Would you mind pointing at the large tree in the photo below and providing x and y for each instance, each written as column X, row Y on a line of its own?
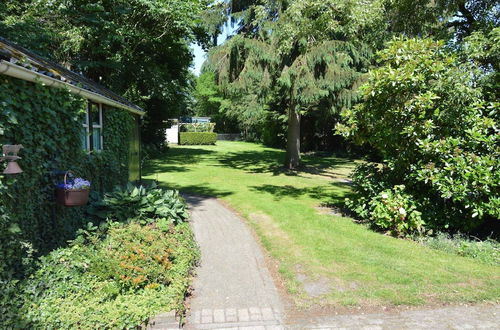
column 300, row 56
column 139, row 48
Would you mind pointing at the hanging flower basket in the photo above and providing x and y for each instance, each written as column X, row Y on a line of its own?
column 72, row 192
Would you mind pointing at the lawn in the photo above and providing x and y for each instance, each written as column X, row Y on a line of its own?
column 324, row 258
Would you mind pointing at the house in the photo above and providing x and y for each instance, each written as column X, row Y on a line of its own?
column 20, row 63
column 65, row 122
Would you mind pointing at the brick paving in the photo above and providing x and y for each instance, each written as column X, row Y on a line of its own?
column 233, row 288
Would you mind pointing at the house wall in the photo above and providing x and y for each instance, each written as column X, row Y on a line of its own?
column 172, row 134
column 48, row 123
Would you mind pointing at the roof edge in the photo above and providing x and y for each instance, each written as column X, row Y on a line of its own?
column 16, row 71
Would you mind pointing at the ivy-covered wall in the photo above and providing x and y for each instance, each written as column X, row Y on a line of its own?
column 48, row 123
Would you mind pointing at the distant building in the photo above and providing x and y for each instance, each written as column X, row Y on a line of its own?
column 172, row 133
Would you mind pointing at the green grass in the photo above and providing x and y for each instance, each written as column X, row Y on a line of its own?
column 354, row 265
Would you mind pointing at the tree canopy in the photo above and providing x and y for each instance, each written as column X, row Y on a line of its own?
column 139, row 48
column 295, row 58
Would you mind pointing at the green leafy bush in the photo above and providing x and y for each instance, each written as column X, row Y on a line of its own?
column 424, row 112
column 117, row 279
column 396, row 211
column 142, row 204
column 197, row 138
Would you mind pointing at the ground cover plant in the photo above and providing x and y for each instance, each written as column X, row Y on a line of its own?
column 354, row 265
column 117, row 274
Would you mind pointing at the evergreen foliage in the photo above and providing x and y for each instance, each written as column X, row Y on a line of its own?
column 296, row 58
column 137, row 48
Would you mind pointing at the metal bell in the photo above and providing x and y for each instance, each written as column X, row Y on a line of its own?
column 12, row 168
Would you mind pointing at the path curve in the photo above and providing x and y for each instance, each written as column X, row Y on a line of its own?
column 233, row 287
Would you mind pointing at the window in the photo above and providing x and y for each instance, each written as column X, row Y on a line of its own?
column 92, row 128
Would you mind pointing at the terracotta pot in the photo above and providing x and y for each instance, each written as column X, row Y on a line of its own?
column 72, row 197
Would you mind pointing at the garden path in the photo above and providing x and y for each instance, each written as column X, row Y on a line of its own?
column 234, row 289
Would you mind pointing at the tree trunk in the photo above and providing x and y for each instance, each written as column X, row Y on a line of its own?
column 293, row 140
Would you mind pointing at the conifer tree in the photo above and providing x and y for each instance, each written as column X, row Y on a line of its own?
column 303, row 56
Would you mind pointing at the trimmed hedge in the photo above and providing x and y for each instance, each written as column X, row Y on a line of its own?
column 197, row 138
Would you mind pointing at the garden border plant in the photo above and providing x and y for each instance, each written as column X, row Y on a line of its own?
column 117, row 274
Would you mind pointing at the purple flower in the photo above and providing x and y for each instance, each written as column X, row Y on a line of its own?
column 75, row 184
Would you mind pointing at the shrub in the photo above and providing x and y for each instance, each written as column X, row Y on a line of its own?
column 367, row 182
column 142, row 204
column 118, row 281
column 396, row 211
column 424, row 113
column 197, row 127
column 197, row 138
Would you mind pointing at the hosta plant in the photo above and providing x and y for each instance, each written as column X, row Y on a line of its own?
column 142, row 204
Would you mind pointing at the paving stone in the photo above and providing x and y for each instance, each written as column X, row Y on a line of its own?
column 207, row 319
column 231, row 315
column 206, row 312
column 255, row 314
column 243, row 315
column 197, row 317
column 219, row 316
column 267, row 314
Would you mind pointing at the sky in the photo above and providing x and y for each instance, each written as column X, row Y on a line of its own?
column 200, row 54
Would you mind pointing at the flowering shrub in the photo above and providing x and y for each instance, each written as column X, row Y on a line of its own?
column 425, row 113
column 396, row 211
column 75, row 184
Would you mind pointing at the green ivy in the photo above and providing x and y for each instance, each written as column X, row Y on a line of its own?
column 48, row 123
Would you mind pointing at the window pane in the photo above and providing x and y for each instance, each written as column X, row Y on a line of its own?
column 85, row 145
column 96, row 138
column 94, row 114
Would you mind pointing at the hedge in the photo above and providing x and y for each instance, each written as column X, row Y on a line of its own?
column 197, row 138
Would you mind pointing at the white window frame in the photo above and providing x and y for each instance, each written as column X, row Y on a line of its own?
column 87, row 124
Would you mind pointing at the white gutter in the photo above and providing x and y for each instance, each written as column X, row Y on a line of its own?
column 19, row 72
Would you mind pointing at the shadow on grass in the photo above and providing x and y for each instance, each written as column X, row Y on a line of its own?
column 176, row 160
column 266, row 161
column 321, row 193
column 271, row 161
column 198, row 191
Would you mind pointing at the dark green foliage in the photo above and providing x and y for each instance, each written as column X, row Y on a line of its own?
column 423, row 110
column 197, row 138
column 48, row 122
column 450, row 19
column 141, row 204
column 137, row 48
